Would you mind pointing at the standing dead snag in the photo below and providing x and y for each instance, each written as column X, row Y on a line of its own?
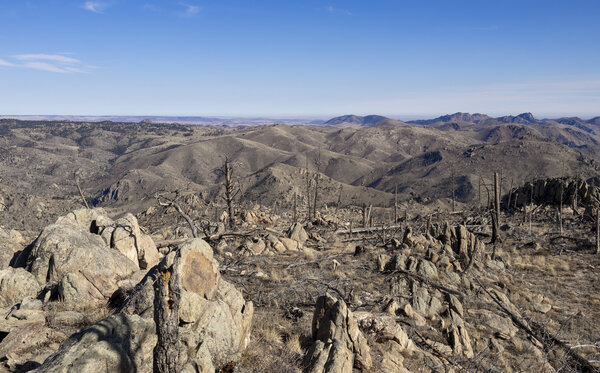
column 168, row 202
column 166, row 316
column 295, row 211
column 396, row 204
column 81, row 192
column 308, row 185
column 231, row 190
column 453, row 194
column 495, row 213
column 598, row 230
column 318, row 166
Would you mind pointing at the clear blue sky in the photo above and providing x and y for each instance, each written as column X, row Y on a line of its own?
column 299, row 58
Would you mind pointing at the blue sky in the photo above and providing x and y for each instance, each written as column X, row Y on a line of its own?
column 299, row 58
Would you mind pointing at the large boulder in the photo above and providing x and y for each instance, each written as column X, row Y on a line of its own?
column 129, row 240
column 11, row 242
column 339, row 344
column 212, row 312
column 124, row 234
column 85, row 269
column 16, row 284
column 119, row 343
column 297, row 232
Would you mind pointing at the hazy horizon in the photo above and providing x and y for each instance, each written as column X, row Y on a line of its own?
column 311, row 58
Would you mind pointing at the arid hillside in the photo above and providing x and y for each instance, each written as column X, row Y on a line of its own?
column 122, row 165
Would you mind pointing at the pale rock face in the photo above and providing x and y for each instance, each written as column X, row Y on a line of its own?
column 11, row 242
column 84, row 267
column 119, row 343
column 129, row 240
column 339, row 344
column 212, row 312
column 289, row 244
column 297, row 233
column 22, row 340
column 16, row 284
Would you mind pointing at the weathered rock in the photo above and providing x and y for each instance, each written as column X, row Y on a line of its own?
column 85, row 269
column 297, row 233
column 16, row 284
column 498, row 324
column 84, row 219
column 11, row 242
column 459, row 336
column 427, row 269
column 211, row 310
column 463, row 243
column 119, row 343
column 291, row 245
column 28, row 337
column 339, row 344
column 256, row 246
column 128, row 239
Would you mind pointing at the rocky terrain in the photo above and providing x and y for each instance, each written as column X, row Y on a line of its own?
column 358, row 245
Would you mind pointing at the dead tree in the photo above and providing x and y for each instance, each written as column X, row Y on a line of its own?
column 166, row 316
column 510, row 192
column 81, row 192
column 495, row 213
column 339, row 201
column 497, row 197
column 165, row 201
column 453, row 194
column 295, row 211
column 479, row 189
column 308, row 186
column 396, row 204
column 316, row 194
column 364, row 215
column 231, row 189
column 598, row 230
column 560, row 208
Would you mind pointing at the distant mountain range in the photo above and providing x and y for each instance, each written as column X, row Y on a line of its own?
column 457, row 118
column 448, row 121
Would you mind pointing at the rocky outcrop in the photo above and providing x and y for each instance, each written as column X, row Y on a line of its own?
column 296, row 232
column 127, row 238
column 85, row 256
column 11, row 242
column 551, row 191
column 338, row 343
column 123, row 235
column 16, row 284
column 119, row 343
column 212, row 312
column 83, row 267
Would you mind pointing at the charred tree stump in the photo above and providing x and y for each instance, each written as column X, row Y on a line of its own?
column 166, row 316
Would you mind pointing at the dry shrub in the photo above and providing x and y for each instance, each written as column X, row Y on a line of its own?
column 274, row 345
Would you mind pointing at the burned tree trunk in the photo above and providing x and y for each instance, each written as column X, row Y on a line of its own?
column 453, row 194
column 364, row 215
column 166, row 316
column 598, row 230
column 81, row 192
column 295, row 216
column 396, row 204
column 497, row 197
column 308, row 184
column 230, row 191
column 495, row 228
column 316, row 196
column 496, row 212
